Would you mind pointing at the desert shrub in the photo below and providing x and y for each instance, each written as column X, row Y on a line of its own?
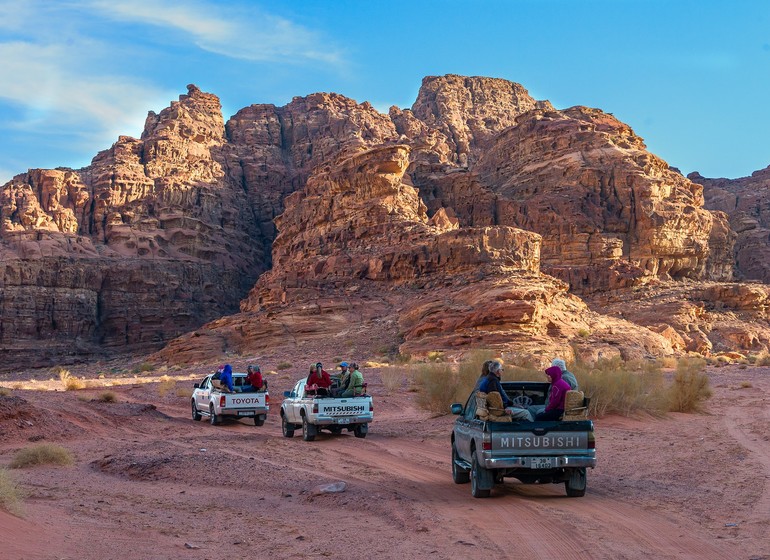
column 440, row 385
column 283, row 365
column 107, row 396
column 584, row 333
column 144, row 367
column 615, row 386
column 183, row 392
column 165, row 385
column 436, row 387
column 668, row 362
column 392, row 379
column 10, row 494
column 746, row 385
column 522, row 368
column 402, row 358
column 43, row 454
column 690, row 386
column 763, row 358
column 435, row 356
column 70, row 383
column 4, row 391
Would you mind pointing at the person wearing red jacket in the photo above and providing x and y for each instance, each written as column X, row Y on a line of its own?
column 555, row 407
column 319, row 377
column 254, row 377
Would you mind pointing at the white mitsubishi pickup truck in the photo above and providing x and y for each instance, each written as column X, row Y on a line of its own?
column 208, row 401
column 315, row 412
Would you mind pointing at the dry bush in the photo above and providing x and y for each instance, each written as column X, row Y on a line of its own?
column 10, row 494
column 763, row 358
column 70, row 383
column 165, row 385
column 4, row 391
column 283, row 365
column 668, row 362
column 43, row 454
column 392, row 379
column 144, row 367
column 107, row 396
column 690, row 387
column 746, row 385
column 618, row 387
column 435, row 356
column 183, row 392
column 436, row 387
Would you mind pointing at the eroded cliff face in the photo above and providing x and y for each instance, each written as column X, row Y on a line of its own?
column 358, row 236
column 747, row 203
column 148, row 242
column 472, row 219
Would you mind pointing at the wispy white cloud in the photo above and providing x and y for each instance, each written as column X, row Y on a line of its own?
column 238, row 32
column 52, row 94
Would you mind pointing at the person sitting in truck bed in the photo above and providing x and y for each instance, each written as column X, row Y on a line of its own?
column 225, row 381
column 558, row 393
column 355, row 387
column 491, row 382
column 253, row 378
column 319, row 378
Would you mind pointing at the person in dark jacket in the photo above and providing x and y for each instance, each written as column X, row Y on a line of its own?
column 225, row 381
column 491, row 382
column 554, row 409
column 254, row 377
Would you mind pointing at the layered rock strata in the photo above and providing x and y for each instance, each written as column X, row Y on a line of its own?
column 747, row 203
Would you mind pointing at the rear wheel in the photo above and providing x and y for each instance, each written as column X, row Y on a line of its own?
column 286, row 428
column 459, row 474
column 481, row 479
column 195, row 414
column 259, row 420
column 361, row 430
column 575, row 485
column 308, row 430
column 213, row 418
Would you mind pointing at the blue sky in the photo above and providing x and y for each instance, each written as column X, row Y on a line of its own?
column 691, row 77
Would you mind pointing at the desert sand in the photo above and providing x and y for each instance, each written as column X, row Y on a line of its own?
column 150, row 483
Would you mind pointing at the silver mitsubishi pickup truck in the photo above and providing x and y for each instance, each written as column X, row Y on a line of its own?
column 484, row 452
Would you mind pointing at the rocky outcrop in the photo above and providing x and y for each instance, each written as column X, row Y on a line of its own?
column 471, row 219
column 747, row 203
column 610, row 213
column 149, row 241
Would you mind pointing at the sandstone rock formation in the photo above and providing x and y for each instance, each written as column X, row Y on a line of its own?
column 473, row 218
column 747, row 203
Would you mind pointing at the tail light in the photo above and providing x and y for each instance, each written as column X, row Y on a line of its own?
column 222, row 401
column 591, row 441
column 267, row 399
column 371, row 406
column 315, row 408
column 486, row 446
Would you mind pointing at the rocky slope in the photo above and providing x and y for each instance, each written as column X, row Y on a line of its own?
column 747, row 202
column 473, row 218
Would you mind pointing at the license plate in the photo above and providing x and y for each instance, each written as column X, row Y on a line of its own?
column 343, row 420
column 540, row 463
column 244, row 413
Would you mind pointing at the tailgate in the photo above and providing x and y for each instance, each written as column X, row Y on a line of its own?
column 343, row 407
column 530, row 443
column 244, row 401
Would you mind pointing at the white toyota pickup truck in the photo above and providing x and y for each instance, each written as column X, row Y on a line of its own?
column 315, row 412
column 208, row 401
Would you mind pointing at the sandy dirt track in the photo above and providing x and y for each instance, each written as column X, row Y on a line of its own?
column 149, row 483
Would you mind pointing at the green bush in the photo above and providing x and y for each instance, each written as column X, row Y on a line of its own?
column 43, row 454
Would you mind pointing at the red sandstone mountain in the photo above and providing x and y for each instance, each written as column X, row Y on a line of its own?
column 427, row 227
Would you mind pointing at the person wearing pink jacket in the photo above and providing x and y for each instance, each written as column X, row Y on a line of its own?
column 554, row 410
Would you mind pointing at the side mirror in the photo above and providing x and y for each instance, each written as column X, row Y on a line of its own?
column 286, row 394
column 457, row 408
column 197, row 386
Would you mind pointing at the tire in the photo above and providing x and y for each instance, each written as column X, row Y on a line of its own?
column 308, row 430
column 360, row 430
column 286, row 428
column 575, row 485
column 479, row 477
column 459, row 474
column 259, row 420
column 195, row 414
column 213, row 418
